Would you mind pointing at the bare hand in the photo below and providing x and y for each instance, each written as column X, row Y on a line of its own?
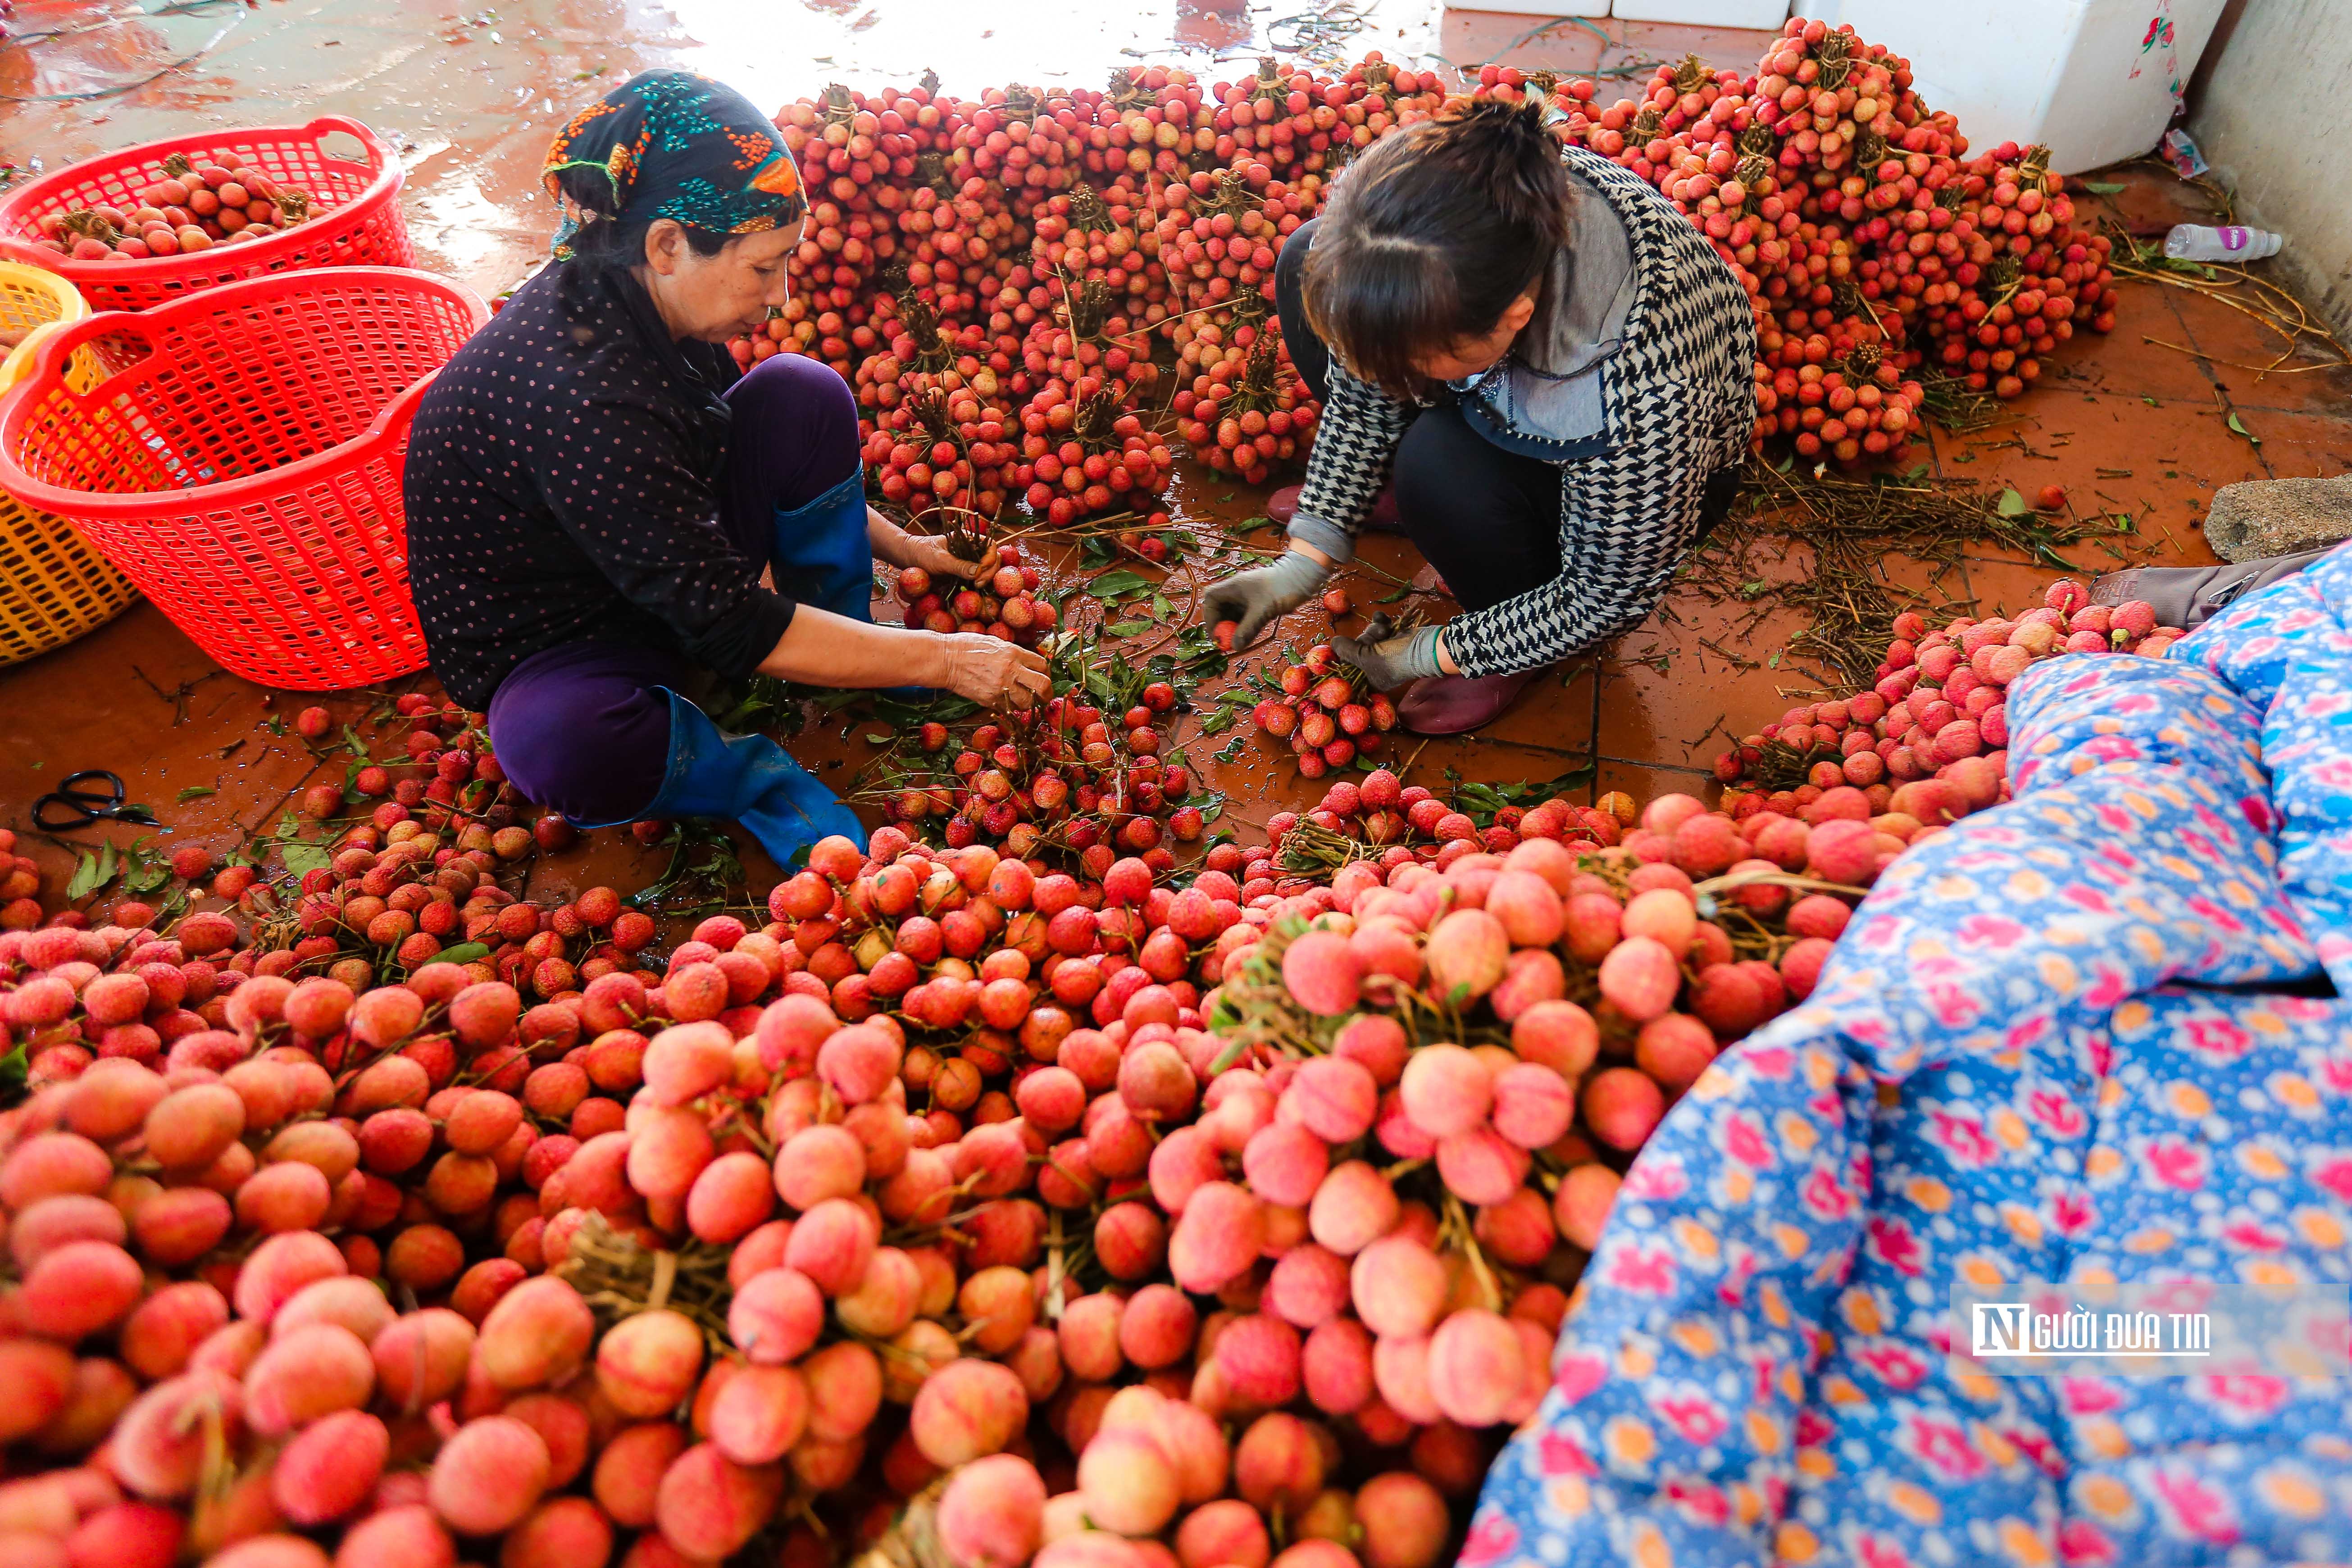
column 994, row 672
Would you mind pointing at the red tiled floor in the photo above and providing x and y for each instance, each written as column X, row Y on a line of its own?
column 2133, row 361
column 2258, row 367
column 1577, row 46
column 2301, row 444
column 1556, row 714
column 1696, row 678
column 1569, row 46
column 1645, row 782
column 2115, row 455
column 2149, row 202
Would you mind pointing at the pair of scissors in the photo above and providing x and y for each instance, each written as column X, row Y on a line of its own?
column 69, row 806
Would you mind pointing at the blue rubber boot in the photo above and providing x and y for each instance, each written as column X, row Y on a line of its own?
column 822, row 557
column 748, row 779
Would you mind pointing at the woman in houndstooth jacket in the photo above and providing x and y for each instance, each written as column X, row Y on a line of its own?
column 1551, row 366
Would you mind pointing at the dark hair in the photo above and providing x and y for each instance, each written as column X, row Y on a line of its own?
column 1431, row 234
column 608, row 243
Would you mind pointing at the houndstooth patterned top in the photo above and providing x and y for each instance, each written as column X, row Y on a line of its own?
column 1680, row 403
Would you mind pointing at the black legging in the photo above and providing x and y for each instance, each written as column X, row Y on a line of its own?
column 1487, row 520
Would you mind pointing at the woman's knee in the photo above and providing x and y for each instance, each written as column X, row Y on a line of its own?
column 583, row 736
column 1435, row 461
column 802, row 403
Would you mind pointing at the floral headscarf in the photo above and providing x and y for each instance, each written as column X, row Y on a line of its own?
column 677, row 145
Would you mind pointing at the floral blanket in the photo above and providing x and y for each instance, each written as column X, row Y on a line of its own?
column 2085, row 1035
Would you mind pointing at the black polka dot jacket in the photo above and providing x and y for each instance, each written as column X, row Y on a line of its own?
column 565, row 482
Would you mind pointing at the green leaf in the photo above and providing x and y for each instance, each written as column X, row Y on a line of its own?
column 2011, row 504
column 1128, row 629
column 1113, row 584
column 2236, row 425
column 304, row 859
column 85, row 877
column 879, row 737
column 358, row 746
column 15, row 1068
column 2102, row 187
column 464, row 952
column 194, row 792
column 944, row 708
column 1773, row 662
column 1218, row 722
column 1160, row 608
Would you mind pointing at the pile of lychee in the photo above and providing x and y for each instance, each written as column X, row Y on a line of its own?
column 958, row 1166
column 1938, row 708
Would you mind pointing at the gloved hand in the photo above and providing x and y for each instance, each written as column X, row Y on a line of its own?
column 1391, row 658
column 934, row 556
column 902, row 548
column 991, row 671
column 1255, row 600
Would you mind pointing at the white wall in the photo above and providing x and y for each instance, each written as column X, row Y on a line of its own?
column 2276, row 124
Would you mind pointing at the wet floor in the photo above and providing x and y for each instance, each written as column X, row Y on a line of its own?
column 2144, row 424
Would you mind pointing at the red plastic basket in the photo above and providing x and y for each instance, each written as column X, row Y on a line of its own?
column 360, row 224
column 241, row 461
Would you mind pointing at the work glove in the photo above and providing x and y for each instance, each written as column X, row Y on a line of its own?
column 994, row 672
column 1391, row 658
column 934, row 556
column 1255, row 600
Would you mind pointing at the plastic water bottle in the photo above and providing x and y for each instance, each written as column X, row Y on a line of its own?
column 2232, row 242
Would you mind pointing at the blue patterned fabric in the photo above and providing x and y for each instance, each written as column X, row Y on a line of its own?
column 2006, row 1072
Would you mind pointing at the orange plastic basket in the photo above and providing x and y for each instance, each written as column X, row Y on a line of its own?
column 53, row 585
column 241, row 461
column 360, row 224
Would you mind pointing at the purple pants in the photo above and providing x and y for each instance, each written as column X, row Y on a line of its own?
column 582, row 726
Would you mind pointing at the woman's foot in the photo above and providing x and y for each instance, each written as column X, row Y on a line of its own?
column 1457, row 704
column 1283, row 505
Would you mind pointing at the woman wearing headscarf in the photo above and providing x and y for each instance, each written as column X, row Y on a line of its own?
column 598, row 505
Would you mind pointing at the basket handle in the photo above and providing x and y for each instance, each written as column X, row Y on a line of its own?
column 25, row 253
column 379, row 151
column 18, row 364
column 51, row 351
